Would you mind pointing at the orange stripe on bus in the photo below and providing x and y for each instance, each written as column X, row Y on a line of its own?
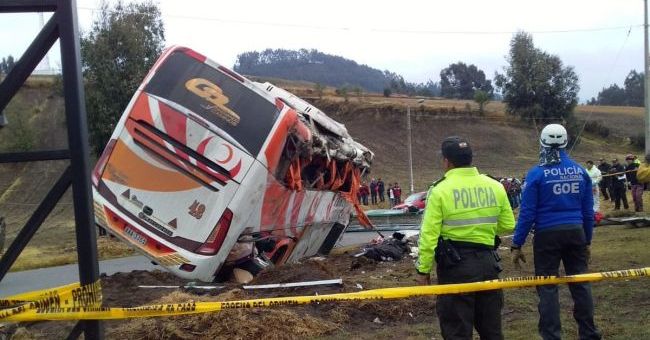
column 143, row 175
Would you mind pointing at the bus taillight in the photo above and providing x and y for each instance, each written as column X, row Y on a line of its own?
column 103, row 160
column 212, row 245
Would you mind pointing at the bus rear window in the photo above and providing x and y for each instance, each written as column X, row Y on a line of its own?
column 245, row 115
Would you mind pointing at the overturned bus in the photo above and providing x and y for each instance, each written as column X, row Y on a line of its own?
column 207, row 171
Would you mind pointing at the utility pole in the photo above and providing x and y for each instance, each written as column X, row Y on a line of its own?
column 646, row 55
column 408, row 127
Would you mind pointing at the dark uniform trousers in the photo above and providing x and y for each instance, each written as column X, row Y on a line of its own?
column 605, row 186
column 459, row 313
column 619, row 195
column 566, row 244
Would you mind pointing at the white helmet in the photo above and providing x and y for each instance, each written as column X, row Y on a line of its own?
column 554, row 135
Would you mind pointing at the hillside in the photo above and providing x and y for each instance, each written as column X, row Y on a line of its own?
column 503, row 147
column 325, row 69
column 310, row 65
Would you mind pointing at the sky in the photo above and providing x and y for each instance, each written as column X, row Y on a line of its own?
column 601, row 39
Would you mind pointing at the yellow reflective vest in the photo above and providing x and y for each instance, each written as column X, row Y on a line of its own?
column 464, row 206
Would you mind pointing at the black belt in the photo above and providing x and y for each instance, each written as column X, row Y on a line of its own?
column 471, row 246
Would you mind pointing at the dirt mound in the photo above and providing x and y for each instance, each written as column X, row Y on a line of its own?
column 231, row 324
column 285, row 323
column 305, row 321
column 308, row 270
column 121, row 289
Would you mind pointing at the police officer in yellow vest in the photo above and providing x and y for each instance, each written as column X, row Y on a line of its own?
column 464, row 213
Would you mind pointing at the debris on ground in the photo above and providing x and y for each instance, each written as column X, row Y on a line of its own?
column 390, row 249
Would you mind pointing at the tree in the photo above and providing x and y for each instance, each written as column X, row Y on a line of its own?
column 634, row 85
column 631, row 94
column 10, row 63
column 481, row 98
column 612, row 95
column 122, row 45
column 319, row 88
column 343, row 92
column 387, row 92
column 7, row 64
column 358, row 91
column 461, row 81
column 536, row 85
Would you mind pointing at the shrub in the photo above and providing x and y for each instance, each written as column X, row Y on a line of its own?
column 598, row 128
column 638, row 140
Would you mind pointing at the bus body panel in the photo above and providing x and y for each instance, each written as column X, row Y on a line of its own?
column 196, row 143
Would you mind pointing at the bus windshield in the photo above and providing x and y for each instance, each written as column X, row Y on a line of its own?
column 215, row 96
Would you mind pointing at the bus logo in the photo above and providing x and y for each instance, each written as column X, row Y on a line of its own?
column 215, row 97
column 197, row 209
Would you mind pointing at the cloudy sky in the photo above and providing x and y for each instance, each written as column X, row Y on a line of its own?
column 602, row 39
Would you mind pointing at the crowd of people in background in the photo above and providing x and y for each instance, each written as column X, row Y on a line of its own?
column 514, row 188
column 377, row 191
column 613, row 180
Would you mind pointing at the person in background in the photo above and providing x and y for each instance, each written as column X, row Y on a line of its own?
column 515, row 188
column 596, row 177
column 373, row 191
column 617, row 186
column 507, row 186
column 558, row 202
column 391, row 195
column 605, row 183
column 365, row 191
column 397, row 191
column 381, row 189
column 635, row 186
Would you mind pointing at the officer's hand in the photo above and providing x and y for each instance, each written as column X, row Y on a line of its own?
column 423, row 279
column 517, row 257
column 588, row 253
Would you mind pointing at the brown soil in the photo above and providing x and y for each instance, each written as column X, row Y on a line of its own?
column 272, row 323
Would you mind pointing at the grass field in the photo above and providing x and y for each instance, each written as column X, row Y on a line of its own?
column 622, row 307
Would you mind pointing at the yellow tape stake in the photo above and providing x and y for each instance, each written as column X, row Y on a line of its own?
column 99, row 313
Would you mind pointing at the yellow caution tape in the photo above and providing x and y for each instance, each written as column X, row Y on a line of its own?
column 72, row 296
column 91, row 312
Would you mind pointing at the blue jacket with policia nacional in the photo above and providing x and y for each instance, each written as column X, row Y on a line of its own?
column 556, row 195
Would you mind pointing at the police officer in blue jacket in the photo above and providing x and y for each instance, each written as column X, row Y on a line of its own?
column 558, row 203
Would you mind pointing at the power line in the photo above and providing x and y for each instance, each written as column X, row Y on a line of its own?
column 576, row 30
column 375, row 30
column 607, row 78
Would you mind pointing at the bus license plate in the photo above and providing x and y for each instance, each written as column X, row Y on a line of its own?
column 135, row 236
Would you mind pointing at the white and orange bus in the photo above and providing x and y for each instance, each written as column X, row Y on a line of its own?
column 207, row 171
